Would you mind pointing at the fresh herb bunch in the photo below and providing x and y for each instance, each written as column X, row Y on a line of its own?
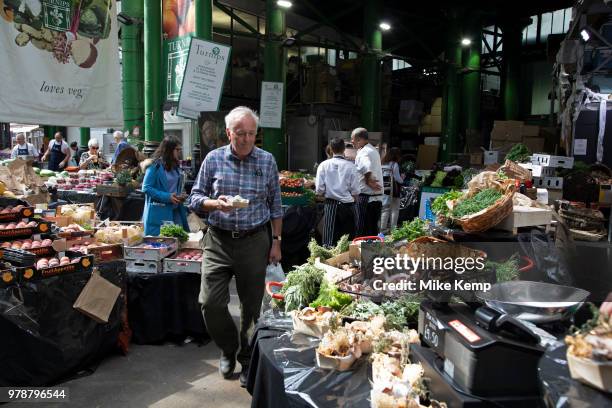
column 477, row 202
column 330, row 296
column 318, row 251
column 302, row 286
column 123, row 177
column 362, row 310
column 438, row 206
column 297, row 175
column 175, row 231
column 439, row 179
column 507, row 270
column 409, row 230
column 401, row 312
column 519, row 153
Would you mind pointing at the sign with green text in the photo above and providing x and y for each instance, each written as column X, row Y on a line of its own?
column 176, row 51
column 57, row 14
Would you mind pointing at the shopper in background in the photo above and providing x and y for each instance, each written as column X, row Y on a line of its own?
column 337, row 180
column 237, row 242
column 58, row 153
column 74, row 158
column 121, row 144
column 162, row 186
column 23, row 149
column 369, row 168
column 392, row 187
column 92, row 159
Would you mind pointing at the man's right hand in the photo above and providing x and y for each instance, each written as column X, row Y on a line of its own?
column 224, row 204
column 175, row 199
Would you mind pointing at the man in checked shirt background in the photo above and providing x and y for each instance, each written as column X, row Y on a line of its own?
column 238, row 241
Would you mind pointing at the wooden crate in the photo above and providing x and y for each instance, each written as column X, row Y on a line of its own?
column 525, row 217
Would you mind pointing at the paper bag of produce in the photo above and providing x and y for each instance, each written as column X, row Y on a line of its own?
column 97, row 298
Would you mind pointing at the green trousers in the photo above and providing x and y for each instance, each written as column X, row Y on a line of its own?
column 245, row 259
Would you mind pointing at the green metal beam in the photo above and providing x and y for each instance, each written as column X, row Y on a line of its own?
column 227, row 32
column 333, row 18
column 471, row 78
column 85, row 136
column 154, row 120
column 233, row 15
column 451, row 91
column 132, row 67
column 370, row 71
column 274, row 71
column 203, row 19
column 511, row 72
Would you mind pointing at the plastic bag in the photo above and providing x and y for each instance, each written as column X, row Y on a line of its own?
column 274, row 273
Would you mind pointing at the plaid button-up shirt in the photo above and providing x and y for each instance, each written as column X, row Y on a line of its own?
column 254, row 178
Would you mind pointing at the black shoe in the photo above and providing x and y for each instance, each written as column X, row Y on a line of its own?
column 227, row 364
column 243, row 376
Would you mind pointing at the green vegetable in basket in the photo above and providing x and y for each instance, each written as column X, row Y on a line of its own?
column 438, row 206
column 174, row 231
column 519, row 153
column 318, row 251
column 409, row 230
column 477, row 202
column 439, row 179
column 302, row 287
column 330, row 296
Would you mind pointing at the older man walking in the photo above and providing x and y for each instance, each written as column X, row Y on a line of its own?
column 237, row 243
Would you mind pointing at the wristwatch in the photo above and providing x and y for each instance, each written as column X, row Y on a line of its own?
column 277, row 237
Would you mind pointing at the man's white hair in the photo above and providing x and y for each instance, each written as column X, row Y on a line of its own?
column 93, row 142
column 237, row 114
column 118, row 134
column 20, row 135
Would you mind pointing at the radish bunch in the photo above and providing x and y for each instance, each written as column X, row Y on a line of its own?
column 190, row 255
column 20, row 224
column 26, row 244
column 43, row 263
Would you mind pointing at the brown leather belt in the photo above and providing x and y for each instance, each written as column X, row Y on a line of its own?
column 238, row 234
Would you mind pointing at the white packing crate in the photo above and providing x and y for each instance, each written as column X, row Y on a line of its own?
column 143, row 266
column 138, row 252
column 491, row 157
column 182, row 265
column 549, row 160
column 553, row 183
column 542, row 171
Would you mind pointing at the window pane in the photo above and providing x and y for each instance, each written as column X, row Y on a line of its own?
column 568, row 19
column 220, row 19
column 557, row 23
column 532, row 30
column 352, row 55
column 546, row 26
column 331, row 57
column 248, row 18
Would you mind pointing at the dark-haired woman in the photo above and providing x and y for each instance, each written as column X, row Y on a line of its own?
column 392, row 182
column 162, row 187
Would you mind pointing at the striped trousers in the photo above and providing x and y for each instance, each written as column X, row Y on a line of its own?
column 338, row 220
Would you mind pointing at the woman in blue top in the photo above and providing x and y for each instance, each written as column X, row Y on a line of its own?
column 162, row 186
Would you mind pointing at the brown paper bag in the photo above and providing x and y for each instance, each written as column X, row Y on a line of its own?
column 97, row 298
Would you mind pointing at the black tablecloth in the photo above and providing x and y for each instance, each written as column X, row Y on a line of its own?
column 75, row 197
column 45, row 340
column 283, row 372
column 560, row 390
column 164, row 306
column 128, row 208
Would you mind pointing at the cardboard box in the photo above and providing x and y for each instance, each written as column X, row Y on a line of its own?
column 507, row 134
column 534, row 144
column 507, row 123
column 530, row 131
column 437, row 103
column 476, row 158
column 432, row 141
column 426, row 120
column 436, row 124
column 427, row 156
column 436, row 110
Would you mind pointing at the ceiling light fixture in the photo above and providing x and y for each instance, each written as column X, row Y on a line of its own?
column 585, row 35
column 466, row 42
column 385, row 26
column 284, row 3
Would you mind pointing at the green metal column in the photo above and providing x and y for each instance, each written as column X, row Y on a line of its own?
column 471, row 77
column 451, row 92
column 511, row 64
column 85, row 135
column 203, row 19
column 132, row 68
column 154, row 120
column 370, row 72
column 274, row 70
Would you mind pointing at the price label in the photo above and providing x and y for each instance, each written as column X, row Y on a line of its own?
column 433, row 332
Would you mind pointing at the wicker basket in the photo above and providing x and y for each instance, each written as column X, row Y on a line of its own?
column 514, row 171
column 490, row 216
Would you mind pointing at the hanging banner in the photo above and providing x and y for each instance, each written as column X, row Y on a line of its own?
column 203, row 79
column 271, row 106
column 178, row 22
column 60, row 63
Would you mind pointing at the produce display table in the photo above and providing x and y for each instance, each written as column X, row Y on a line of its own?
column 127, row 208
column 165, row 306
column 283, row 371
column 45, row 340
column 560, row 390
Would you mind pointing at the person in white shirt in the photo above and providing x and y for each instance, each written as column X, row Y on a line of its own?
column 392, row 184
column 369, row 168
column 23, row 149
column 337, row 180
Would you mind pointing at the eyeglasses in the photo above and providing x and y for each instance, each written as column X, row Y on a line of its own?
column 95, row 147
column 242, row 133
